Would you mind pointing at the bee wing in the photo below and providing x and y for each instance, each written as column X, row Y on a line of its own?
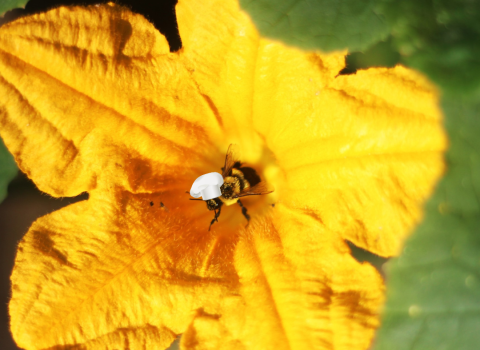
column 258, row 189
column 230, row 160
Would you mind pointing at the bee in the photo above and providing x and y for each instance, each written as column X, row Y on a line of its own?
column 238, row 181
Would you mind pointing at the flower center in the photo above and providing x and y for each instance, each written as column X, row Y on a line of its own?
column 247, row 193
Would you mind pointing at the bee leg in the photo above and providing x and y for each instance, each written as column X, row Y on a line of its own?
column 244, row 212
column 213, row 221
column 215, row 218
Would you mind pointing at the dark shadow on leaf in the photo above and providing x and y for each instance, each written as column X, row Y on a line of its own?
column 382, row 54
column 362, row 255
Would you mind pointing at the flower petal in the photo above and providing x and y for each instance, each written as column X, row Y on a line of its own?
column 114, row 270
column 370, row 153
column 300, row 289
column 220, row 45
column 232, row 65
column 98, row 89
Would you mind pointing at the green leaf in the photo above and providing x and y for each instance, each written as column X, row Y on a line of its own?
column 319, row 24
column 7, row 5
column 8, row 170
column 433, row 290
column 440, row 38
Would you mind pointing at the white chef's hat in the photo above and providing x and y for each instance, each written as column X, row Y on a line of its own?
column 207, row 186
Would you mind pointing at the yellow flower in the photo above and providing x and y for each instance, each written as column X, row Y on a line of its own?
column 92, row 100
